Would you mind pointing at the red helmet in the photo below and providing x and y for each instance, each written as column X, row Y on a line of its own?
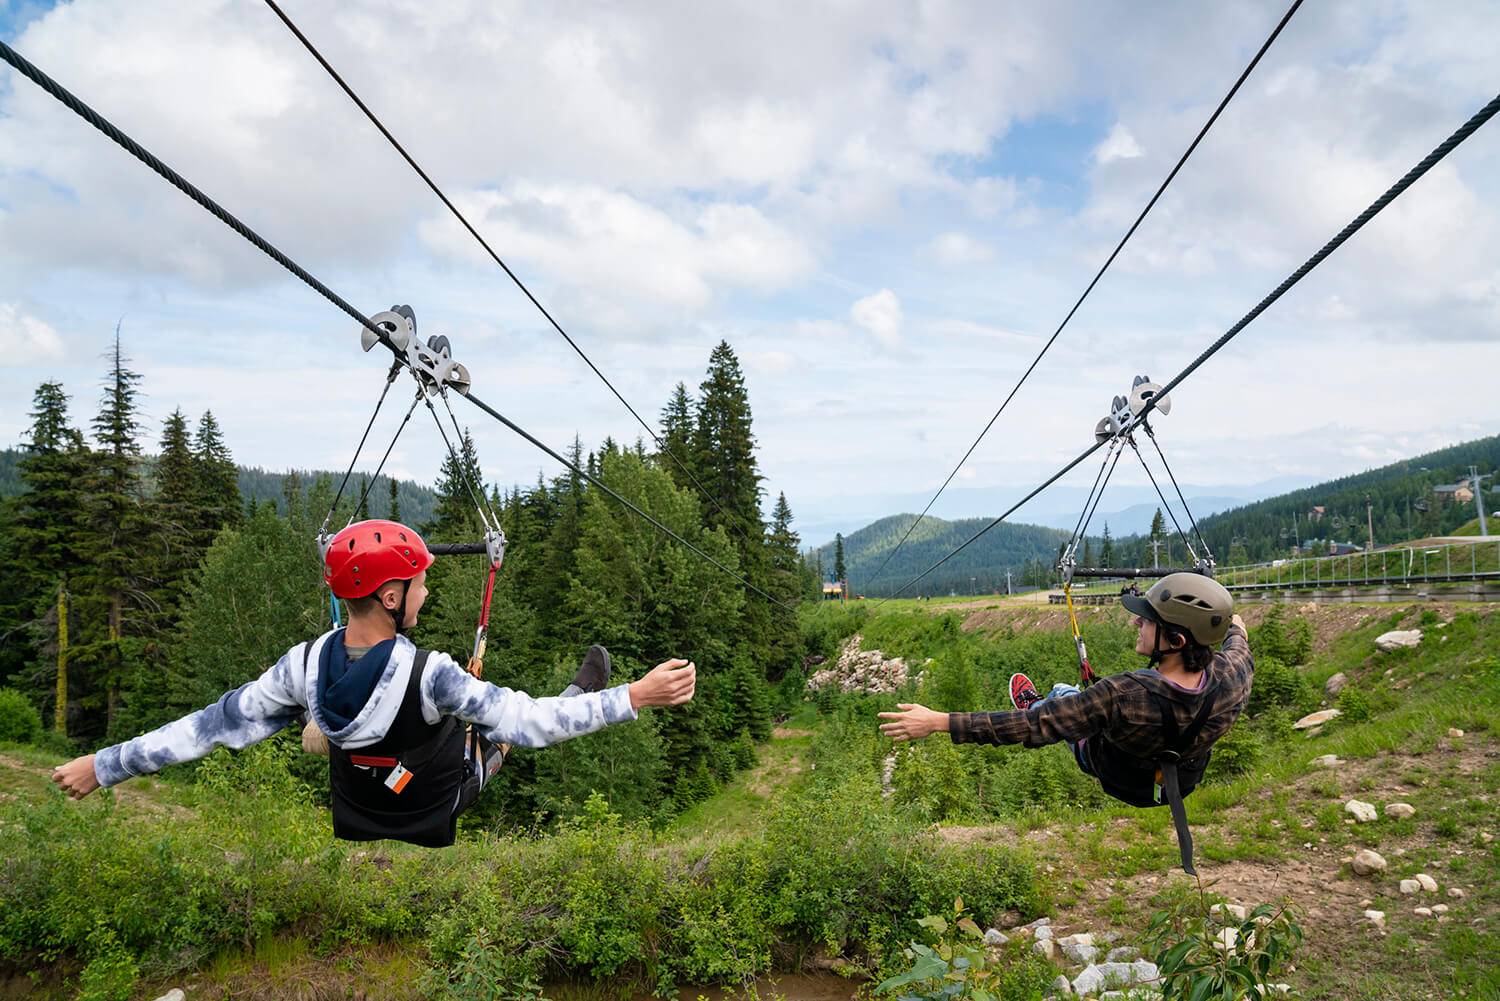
column 367, row 554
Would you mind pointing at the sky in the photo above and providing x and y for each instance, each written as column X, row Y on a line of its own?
column 885, row 207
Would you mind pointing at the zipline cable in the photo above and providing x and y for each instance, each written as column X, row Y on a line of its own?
column 1447, row 146
column 379, row 125
column 1100, row 274
column 52, row 87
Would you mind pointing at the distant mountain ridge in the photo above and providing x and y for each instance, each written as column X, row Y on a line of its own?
column 980, row 568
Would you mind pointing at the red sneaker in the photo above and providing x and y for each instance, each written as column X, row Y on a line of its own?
column 1022, row 692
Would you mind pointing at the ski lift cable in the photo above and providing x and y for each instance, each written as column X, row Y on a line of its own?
column 1464, row 131
column 1100, row 274
column 88, row 114
column 463, row 220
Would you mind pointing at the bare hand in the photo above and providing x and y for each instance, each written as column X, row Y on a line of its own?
column 1237, row 621
column 76, row 777
column 913, row 722
column 670, row 683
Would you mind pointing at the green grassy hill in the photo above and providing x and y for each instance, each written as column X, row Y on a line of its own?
column 226, row 881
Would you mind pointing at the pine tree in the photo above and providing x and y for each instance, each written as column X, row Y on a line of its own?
column 1107, row 549
column 118, row 523
column 839, row 571
column 677, row 431
column 177, row 513
column 455, row 515
column 394, row 512
column 362, row 511
column 787, row 587
column 218, row 481
column 724, row 451
column 44, row 540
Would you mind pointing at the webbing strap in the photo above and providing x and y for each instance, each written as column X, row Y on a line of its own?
column 1085, row 671
column 1173, row 793
column 1176, row 746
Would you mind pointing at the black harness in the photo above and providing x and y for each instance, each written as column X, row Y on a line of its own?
column 406, row 785
column 1164, row 780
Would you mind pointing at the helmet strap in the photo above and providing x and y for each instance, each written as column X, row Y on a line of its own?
column 398, row 614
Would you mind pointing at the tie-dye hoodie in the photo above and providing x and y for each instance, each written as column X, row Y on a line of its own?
column 278, row 698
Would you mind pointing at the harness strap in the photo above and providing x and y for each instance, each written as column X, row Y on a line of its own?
column 1085, row 671
column 1176, row 746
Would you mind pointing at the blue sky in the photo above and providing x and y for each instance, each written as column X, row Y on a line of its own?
column 885, row 209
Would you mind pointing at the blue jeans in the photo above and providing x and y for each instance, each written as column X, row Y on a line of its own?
column 1062, row 690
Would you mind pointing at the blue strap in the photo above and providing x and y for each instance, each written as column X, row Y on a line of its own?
column 333, row 605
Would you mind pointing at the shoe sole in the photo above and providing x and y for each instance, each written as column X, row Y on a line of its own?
column 1013, row 692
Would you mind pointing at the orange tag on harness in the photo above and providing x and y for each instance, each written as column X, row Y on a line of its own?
column 398, row 778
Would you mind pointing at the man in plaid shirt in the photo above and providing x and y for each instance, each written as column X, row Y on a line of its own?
column 1128, row 729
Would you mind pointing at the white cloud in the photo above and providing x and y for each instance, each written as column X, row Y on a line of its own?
column 1118, row 145
column 26, row 340
column 959, row 249
column 879, row 315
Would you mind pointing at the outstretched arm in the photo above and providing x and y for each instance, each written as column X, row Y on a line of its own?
column 1071, row 717
column 249, row 714
column 506, row 716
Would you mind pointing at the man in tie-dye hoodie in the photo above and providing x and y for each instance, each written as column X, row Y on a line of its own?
column 402, row 764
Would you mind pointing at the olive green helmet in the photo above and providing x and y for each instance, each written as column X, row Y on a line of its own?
column 1194, row 603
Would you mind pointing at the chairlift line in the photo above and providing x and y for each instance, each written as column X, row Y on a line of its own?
column 372, row 333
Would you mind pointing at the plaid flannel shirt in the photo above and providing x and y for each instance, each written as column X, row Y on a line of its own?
column 1122, row 707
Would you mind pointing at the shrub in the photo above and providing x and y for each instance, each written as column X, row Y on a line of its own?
column 1198, row 959
column 1354, row 706
column 1277, row 684
column 1235, row 753
column 957, row 966
column 1286, row 639
column 19, row 720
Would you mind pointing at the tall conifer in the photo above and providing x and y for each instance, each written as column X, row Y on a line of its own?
column 219, row 499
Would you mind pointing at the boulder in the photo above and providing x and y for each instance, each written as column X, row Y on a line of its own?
column 1400, row 810
column 1227, row 912
column 1079, row 952
column 1422, row 912
column 1367, row 863
column 1123, row 954
column 175, row 994
column 1454, row 731
column 1062, row 985
column 1429, row 885
column 1082, row 938
column 1440, row 908
column 1045, row 931
column 1409, row 886
column 1361, row 811
column 1326, row 761
column 1398, row 639
column 1376, row 918
column 1315, row 719
column 1046, row 948
column 995, row 937
column 1455, row 893
column 1096, row 977
column 1227, row 939
column 1335, row 684
column 1034, row 925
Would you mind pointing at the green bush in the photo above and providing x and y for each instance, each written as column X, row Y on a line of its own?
column 1278, row 685
column 1235, row 753
column 1353, row 705
column 1285, row 638
column 1195, row 962
column 19, row 720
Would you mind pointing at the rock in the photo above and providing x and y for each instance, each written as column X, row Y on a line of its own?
column 1062, row 985
column 175, row 994
column 1410, row 886
column 1095, row 978
column 1315, row 719
column 1335, row 684
column 1376, row 918
column 1440, row 908
column 1428, row 883
column 1455, row 893
column 1399, row 810
column 1227, row 939
column 1367, row 863
column 1039, row 922
column 1454, row 731
column 1274, row 990
column 1045, row 931
column 1082, row 938
column 1422, row 912
column 1326, row 761
column 1361, row 811
column 1486, row 837
column 1045, row 947
column 1398, row 639
column 1234, row 911
column 1122, row 954
column 995, row 937
column 1080, row 952
column 1113, row 996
